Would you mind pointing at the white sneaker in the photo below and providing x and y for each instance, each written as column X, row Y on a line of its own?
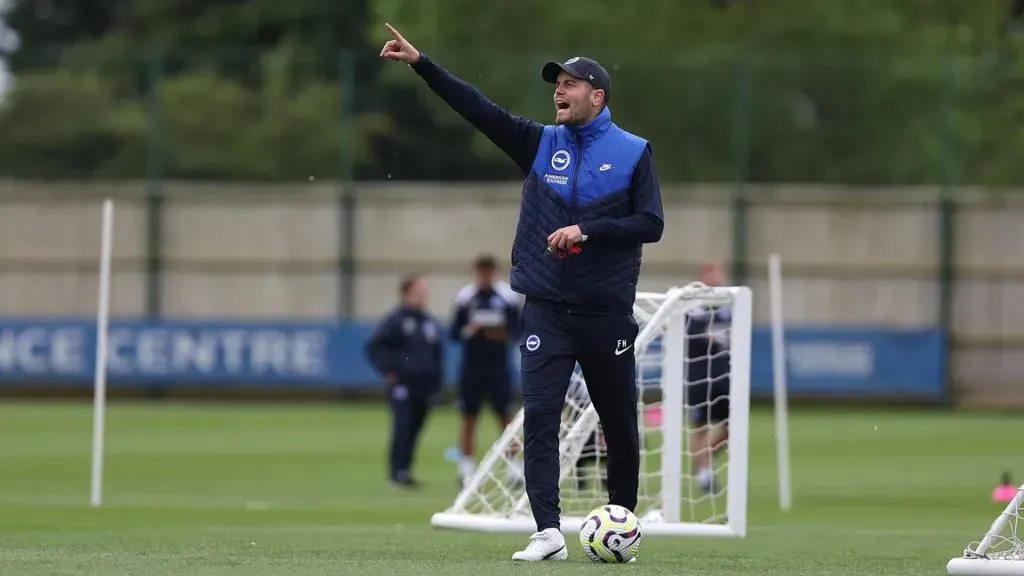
column 546, row 545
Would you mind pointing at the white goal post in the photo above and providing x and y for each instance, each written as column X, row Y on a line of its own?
column 100, row 375
column 671, row 358
column 1001, row 550
column 780, row 386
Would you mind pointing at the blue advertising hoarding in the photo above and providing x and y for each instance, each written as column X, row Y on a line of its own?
column 201, row 353
column 854, row 362
column 821, row 361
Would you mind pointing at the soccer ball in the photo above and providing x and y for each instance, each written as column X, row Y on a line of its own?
column 611, row 534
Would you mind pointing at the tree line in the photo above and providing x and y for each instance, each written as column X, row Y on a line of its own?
column 872, row 91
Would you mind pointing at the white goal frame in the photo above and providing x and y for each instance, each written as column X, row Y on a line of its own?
column 976, row 560
column 667, row 520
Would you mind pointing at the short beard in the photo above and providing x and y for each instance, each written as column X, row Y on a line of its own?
column 572, row 121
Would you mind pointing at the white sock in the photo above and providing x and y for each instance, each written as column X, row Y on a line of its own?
column 515, row 470
column 467, row 466
column 704, row 476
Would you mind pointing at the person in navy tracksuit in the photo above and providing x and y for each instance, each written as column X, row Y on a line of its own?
column 485, row 318
column 407, row 350
column 590, row 201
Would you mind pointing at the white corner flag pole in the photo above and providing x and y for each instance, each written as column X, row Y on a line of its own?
column 779, row 380
column 100, row 377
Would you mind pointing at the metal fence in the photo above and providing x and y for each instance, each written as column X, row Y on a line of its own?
column 898, row 258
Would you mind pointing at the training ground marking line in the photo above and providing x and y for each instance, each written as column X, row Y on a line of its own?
column 792, row 529
column 141, row 500
column 164, row 501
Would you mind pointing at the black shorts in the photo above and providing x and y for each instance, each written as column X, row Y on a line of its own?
column 707, row 390
column 497, row 388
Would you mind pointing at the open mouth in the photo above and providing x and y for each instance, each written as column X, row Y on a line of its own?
column 561, row 105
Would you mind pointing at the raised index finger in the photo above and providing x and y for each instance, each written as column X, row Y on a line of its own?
column 394, row 32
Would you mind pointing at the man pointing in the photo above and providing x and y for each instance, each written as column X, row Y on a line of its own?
column 590, row 201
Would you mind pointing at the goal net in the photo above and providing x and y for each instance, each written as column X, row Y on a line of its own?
column 1001, row 551
column 692, row 360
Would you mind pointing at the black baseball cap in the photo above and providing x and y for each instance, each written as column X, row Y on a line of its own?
column 582, row 68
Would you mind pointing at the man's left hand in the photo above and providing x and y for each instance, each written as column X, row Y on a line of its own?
column 565, row 238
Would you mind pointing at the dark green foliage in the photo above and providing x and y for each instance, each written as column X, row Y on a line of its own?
column 873, row 91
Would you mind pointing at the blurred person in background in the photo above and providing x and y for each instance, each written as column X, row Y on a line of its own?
column 484, row 321
column 707, row 379
column 407, row 350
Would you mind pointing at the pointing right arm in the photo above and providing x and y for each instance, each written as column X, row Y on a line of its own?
column 517, row 137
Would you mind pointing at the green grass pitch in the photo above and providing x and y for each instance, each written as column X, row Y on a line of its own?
column 218, row 490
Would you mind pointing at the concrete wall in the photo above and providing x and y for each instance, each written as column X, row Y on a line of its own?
column 851, row 255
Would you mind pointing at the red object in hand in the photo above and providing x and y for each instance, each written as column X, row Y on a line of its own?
column 561, row 254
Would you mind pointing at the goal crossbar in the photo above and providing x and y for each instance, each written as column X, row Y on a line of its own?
column 570, row 524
